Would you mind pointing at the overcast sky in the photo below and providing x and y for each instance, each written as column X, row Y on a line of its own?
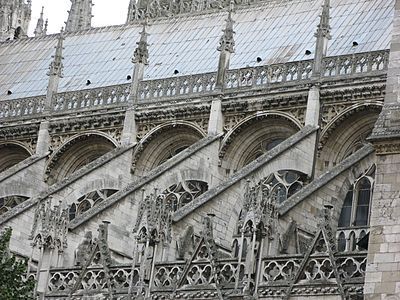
column 106, row 12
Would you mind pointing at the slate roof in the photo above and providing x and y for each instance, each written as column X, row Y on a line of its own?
column 276, row 31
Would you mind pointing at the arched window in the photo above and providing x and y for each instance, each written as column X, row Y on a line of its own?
column 355, row 215
column 356, row 206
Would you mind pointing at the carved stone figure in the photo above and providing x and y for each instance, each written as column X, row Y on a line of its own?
column 186, row 245
column 84, row 249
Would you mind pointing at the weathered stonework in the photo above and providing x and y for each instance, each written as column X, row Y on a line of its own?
column 266, row 177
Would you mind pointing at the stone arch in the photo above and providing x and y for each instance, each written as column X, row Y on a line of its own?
column 255, row 135
column 9, row 202
column 11, row 153
column 77, row 152
column 347, row 132
column 163, row 142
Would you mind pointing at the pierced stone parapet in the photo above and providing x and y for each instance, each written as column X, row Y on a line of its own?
column 334, row 68
column 21, row 108
column 276, row 275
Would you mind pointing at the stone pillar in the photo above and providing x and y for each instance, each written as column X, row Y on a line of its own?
column 383, row 268
column 313, row 106
column 43, row 141
column 216, row 121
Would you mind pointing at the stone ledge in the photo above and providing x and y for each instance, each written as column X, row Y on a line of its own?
column 244, row 172
column 65, row 182
column 134, row 186
column 20, row 166
column 324, row 179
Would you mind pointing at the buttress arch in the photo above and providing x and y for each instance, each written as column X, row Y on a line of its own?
column 11, row 154
column 162, row 143
column 347, row 133
column 75, row 153
column 254, row 136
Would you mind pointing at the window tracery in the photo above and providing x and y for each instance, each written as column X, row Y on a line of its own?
column 178, row 195
column 355, row 215
column 7, row 203
column 88, row 201
column 283, row 184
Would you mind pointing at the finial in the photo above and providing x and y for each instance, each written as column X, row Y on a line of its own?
column 141, row 54
column 46, row 24
column 56, row 65
column 231, row 7
column 39, row 30
column 227, row 42
column 323, row 27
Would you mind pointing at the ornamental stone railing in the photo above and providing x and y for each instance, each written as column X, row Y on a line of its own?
column 276, row 275
column 62, row 281
column 184, row 87
column 22, row 108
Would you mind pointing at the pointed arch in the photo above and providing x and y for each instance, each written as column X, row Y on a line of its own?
column 11, row 153
column 347, row 132
column 77, row 152
column 163, row 142
column 255, row 135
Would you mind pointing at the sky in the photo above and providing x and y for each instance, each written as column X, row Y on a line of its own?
column 106, row 12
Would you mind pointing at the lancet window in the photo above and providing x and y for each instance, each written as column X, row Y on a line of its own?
column 355, row 215
column 88, row 201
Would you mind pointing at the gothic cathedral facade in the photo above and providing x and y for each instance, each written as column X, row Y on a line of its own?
column 205, row 149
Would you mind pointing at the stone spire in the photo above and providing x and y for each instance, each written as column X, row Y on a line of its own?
column 226, row 48
column 131, row 11
column 41, row 26
column 54, row 73
column 140, row 59
column 15, row 16
column 141, row 54
column 56, row 66
column 323, row 35
column 79, row 16
column 227, row 42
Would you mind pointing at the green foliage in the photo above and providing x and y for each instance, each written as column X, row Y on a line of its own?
column 13, row 285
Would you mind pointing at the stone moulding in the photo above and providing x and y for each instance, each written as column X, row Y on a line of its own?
column 62, row 184
column 324, row 179
column 244, row 172
column 387, row 148
column 134, row 186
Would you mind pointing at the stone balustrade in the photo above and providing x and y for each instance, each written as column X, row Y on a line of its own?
column 276, row 275
column 199, row 84
column 22, row 108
